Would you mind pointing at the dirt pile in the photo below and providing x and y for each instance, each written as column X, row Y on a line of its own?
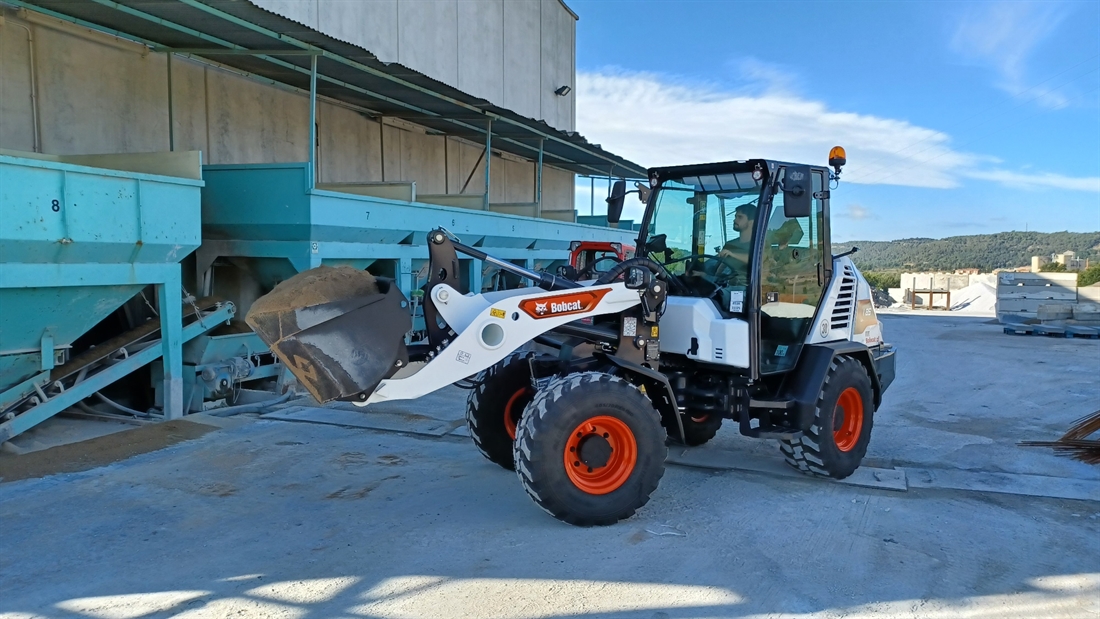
column 313, row 287
column 316, row 286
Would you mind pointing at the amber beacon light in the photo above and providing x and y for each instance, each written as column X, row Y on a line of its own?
column 837, row 158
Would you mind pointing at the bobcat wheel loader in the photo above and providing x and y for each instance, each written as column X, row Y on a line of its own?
column 734, row 311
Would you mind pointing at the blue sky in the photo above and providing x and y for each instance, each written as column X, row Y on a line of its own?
column 958, row 117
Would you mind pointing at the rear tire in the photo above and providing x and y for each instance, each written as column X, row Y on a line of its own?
column 495, row 405
column 590, row 449
column 835, row 444
column 699, row 428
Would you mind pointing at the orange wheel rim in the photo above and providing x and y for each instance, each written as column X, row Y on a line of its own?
column 600, row 455
column 512, row 420
column 700, row 419
column 848, row 419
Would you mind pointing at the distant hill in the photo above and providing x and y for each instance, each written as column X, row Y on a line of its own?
column 985, row 251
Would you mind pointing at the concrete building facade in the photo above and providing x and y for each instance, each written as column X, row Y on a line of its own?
column 68, row 89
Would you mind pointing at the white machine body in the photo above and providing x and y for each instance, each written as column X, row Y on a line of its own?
column 848, row 311
column 491, row 325
column 693, row 327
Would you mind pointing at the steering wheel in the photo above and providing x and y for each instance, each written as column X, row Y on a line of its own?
column 723, row 272
column 590, row 270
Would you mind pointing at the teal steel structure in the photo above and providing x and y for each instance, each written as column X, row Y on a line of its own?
column 272, row 215
column 77, row 242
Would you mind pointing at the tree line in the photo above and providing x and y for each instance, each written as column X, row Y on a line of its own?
column 1002, row 250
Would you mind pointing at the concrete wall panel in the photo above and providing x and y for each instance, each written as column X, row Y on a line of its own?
column 498, row 183
column 422, row 161
column 189, row 110
column 557, row 189
column 252, row 123
column 481, row 48
column 391, row 153
column 468, row 156
column 371, row 25
column 428, row 38
column 514, row 53
column 522, row 57
column 99, row 98
column 350, row 149
column 519, row 177
column 557, row 64
column 16, row 117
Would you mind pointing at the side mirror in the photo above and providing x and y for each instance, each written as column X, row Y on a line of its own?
column 615, row 202
column 798, row 192
column 657, row 243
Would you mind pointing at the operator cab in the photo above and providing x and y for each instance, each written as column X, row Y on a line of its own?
column 746, row 248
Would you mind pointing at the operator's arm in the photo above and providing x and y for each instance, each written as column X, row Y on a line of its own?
column 730, row 250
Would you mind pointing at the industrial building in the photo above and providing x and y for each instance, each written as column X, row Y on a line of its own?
column 205, row 150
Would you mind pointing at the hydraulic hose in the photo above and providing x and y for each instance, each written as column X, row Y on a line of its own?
column 115, row 405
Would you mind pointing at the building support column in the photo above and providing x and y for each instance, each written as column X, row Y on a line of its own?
column 171, row 341
column 538, row 183
column 171, row 109
column 312, row 121
column 488, row 162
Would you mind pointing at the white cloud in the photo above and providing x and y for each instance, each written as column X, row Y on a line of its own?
column 1043, row 180
column 653, row 120
column 858, row 213
column 1003, row 36
column 765, row 76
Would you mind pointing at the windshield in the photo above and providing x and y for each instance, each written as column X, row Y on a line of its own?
column 707, row 216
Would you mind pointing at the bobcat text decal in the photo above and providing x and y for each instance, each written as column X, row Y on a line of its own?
column 562, row 304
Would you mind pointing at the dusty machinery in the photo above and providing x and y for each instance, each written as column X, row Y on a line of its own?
column 735, row 310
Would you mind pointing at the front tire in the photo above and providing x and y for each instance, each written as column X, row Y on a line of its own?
column 590, row 449
column 837, row 440
column 494, row 406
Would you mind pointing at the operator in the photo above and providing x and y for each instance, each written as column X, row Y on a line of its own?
column 735, row 253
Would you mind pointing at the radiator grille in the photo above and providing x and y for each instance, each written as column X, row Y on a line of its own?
column 845, row 301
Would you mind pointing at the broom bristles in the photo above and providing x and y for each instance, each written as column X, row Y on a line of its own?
column 1074, row 443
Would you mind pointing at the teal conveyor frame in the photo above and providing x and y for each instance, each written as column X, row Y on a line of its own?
column 81, row 235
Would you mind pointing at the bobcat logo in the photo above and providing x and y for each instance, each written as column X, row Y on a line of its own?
column 540, row 308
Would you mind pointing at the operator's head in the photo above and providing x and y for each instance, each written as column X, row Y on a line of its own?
column 743, row 217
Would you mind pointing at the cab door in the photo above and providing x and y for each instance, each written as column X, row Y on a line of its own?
column 795, row 265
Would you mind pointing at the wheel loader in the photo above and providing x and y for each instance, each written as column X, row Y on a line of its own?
column 733, row 312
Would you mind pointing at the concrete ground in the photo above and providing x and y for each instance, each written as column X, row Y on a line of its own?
column 269, row 518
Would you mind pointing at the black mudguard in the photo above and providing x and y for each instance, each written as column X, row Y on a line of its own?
column 805, row 382
column 657, row 389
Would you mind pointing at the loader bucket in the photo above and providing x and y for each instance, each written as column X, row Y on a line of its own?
column 342, row 349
